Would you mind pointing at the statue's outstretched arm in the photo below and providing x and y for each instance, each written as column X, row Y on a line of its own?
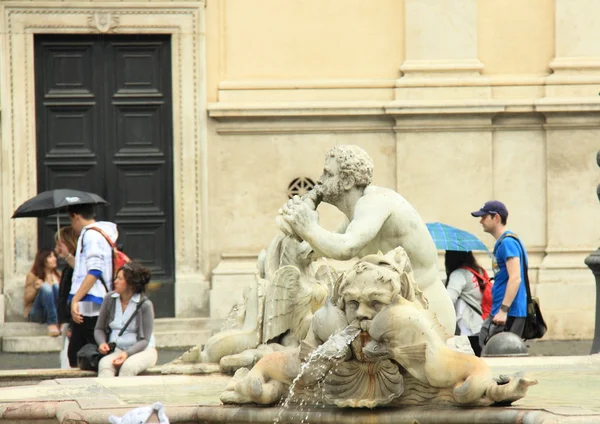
column 364, row 227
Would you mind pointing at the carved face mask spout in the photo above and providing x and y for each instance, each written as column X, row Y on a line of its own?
column 375, row 351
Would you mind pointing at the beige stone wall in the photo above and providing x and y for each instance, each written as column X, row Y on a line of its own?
column 457, row 102
column 515, row 37
column 312, row 39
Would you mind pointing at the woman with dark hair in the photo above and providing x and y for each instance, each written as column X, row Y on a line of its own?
column 466, row 284
column 66, row 245
column 132, row 352
column 41, row 291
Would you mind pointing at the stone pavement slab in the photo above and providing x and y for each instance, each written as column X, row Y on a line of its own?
column 567, row 393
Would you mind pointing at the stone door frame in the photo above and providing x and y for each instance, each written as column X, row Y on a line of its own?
column 185, row 23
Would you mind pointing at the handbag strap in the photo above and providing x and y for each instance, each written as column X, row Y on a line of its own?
column 476, row 309
column 139, row 305
column 483, row 276
column 523, row 261
column 101, row 231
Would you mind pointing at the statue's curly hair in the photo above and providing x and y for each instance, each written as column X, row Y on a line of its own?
column 353, row 162
column 136, row 276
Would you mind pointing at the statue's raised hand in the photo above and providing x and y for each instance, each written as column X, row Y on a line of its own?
column 282, row 223
column 312, row 199
column 300, row 217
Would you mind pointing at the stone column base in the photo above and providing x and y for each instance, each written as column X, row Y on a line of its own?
column 441, row 80
column 229, row 279
column 574, row 77
column 191, row 296
column 566, row 291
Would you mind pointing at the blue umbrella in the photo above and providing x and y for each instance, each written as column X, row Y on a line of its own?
column 447, row 237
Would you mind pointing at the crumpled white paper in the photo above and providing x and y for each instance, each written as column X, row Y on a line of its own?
column 140, row 415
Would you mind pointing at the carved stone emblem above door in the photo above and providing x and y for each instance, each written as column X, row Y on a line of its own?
column 103, row 21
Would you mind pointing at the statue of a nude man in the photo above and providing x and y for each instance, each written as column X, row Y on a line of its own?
column 378, row 220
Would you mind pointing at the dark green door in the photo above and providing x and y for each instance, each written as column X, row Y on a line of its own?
column 104, row 124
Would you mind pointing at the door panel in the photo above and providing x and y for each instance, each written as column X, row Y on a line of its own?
column 138, row 108
column 104, row 124
column 68, row 120
column 73, row 128
column 70, row 68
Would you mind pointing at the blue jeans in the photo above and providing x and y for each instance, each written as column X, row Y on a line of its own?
column 44, row 305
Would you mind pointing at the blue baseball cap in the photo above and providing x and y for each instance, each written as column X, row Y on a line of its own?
column 492, row 207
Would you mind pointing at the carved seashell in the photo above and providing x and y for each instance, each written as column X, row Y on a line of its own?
column 363, row 384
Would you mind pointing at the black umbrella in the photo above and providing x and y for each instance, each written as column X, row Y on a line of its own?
column 51, row 201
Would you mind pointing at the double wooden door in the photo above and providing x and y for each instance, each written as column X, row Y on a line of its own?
column 104, row 124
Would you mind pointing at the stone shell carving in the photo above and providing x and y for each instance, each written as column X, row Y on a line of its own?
column 363, row 384
column 103, row 21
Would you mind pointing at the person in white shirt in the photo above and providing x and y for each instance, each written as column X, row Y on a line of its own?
column 92, row 274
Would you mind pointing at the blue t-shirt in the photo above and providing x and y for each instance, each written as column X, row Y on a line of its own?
column 505, row 248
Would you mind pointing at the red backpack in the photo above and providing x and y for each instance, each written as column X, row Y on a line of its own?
column 485, row 286
column 119, row 258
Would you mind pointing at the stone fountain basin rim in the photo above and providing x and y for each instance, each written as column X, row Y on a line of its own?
column 260, row 415
column 506, row 355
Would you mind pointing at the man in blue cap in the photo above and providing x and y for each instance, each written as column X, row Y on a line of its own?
column 509, row 293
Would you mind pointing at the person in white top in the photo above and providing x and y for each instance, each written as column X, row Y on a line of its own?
column 92, row 274
column 133, row 351
column 464, row 289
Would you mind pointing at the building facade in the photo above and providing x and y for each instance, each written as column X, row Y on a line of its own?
column 196, row 119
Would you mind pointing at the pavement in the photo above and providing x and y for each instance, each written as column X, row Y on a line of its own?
column 567, row 393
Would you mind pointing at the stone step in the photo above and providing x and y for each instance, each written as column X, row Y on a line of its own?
column 185, row 324
column 31, row 344
column 12, row 329
column 182, row 339
column 166, row 339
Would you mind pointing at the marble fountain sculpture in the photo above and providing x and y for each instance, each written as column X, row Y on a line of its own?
column 380, row 333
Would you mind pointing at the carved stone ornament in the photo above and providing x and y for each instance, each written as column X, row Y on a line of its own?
column 103, row 21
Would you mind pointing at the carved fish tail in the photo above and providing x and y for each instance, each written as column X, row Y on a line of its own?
column 513, row 390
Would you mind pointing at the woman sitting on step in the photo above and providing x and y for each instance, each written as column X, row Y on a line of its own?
column 41, row 291
column 126, row 307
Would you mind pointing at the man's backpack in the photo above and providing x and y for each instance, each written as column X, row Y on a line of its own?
column 485, row 286
column 118, row 258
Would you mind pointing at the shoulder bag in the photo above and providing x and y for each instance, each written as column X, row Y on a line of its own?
column 535, row 326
